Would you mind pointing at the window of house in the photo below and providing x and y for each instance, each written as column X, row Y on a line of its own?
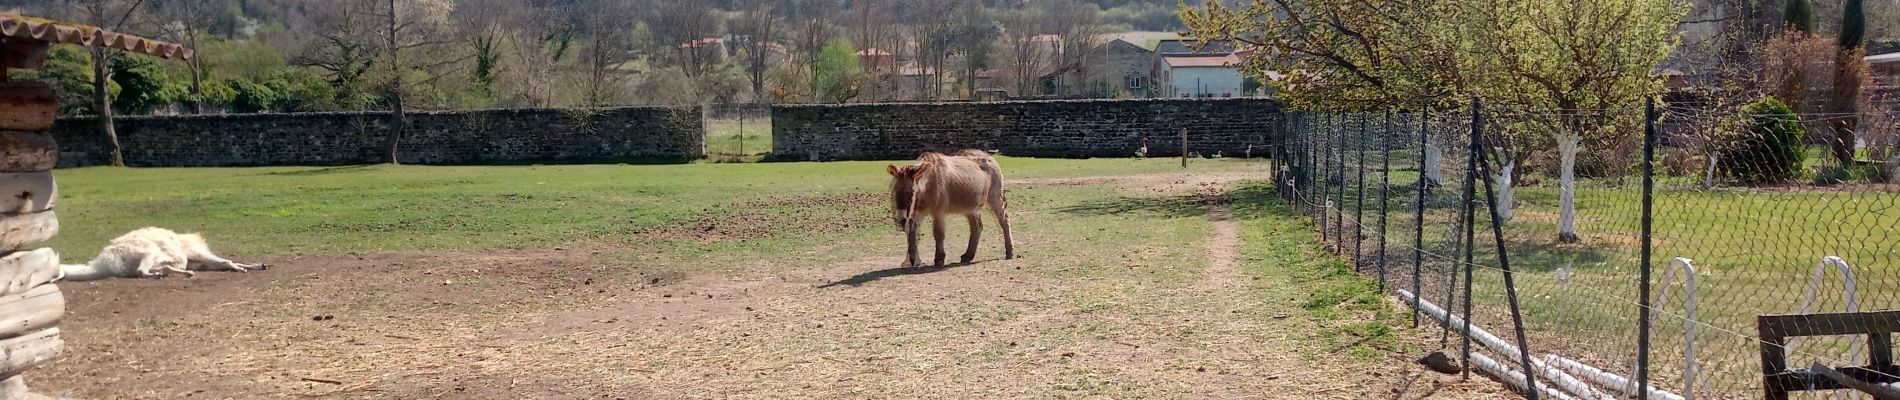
column 1226, row 95
column 1136, row 82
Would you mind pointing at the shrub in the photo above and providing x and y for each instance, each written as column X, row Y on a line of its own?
column 1769, row 150
column 252, row 96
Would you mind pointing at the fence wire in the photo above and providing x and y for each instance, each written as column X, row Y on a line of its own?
column 1752, row 213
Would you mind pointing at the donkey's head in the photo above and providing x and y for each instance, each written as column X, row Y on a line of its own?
column 904, row 187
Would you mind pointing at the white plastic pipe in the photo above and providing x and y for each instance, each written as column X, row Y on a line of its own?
column 1603, row 378
column 1513, row 378
column 1690, row 371
column 1847, row 293
column 1551, row 375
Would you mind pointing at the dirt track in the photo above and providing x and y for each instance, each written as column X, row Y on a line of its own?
column 566, row 324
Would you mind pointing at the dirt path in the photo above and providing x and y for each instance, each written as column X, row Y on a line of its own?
column 1223, row 250
column 567, row 324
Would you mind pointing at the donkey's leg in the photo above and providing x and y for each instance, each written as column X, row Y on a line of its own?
column 976, row 234
column 936, row 232
column 910, row 237
column 999, row 206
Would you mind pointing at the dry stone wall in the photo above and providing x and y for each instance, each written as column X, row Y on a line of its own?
column 1061, row 128
column 512, row 136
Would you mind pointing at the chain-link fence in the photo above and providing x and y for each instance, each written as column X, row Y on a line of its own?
column 1540, row 240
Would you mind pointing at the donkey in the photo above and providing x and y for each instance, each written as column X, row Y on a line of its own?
column 938, row 185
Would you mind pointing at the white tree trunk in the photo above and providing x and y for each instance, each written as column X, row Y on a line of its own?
column 1506, row 197
column 1433, row 156
column 1708, row 177
column 1567, row 147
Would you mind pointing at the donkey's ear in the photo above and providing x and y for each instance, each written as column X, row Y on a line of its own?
column 894, row 170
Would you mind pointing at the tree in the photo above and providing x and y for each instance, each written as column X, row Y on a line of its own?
column 834, row 76
column 142, row 84
column 1850, row 72
column 1527, row 54
column 1798, row 14
column 110, row 15
column 185, row 21
column 69, row 71
column 610, row 41
column 343, row 47
column 757, row 31
column 683, row 27
column 1589, row 59
column 407, row 27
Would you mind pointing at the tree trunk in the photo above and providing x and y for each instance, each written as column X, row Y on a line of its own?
column 397, row 121
column 1506, row 197
column 197, row 87
column 102, row 102
column 1846, row 98
column 1708, row 176
column 1568, row 144
column 1434, row 155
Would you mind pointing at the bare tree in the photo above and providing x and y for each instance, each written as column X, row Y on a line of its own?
column 610, row 42
column 1026, row 51
column 757, row 31
column 409, row 27
column 110, row 15
column 681, row 25
column 184, row 21
column 343, row 47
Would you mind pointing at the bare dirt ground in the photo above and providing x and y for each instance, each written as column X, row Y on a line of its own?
column 568, row 324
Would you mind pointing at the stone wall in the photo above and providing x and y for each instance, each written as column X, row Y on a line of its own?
column 1062, row 128
column 515, row 136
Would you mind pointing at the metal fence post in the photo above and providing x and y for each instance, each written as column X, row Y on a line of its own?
column 1359, row 202
column 1504, row 259
column 1471, row 182
column 1385, row 190
column 1418, row 215
column 1339, row 201
column 1642, row 301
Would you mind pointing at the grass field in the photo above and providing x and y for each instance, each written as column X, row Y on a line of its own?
column 738, row 139
column 1136, row 280
column 1753, row 248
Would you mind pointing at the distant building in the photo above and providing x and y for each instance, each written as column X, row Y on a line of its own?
column 1117, row 69
column 1185, row 68
column 873, row 59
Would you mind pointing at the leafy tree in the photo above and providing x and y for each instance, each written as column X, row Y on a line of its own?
column 216, row 94
column 143, row 85
column 69, row 71
column 1527, row 54
column 834, row 75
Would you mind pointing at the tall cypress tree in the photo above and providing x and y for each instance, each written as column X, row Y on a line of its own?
column 1798, row 14
column 1853, row 25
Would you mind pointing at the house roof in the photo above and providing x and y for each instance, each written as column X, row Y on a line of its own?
column 24, row 27
column 1051, row 37
column 1883, row 58
column 872, row 52
column 1229, row 60
column 1194, row 46
column 701, row 42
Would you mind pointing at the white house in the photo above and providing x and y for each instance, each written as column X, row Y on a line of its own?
column 1202, row 76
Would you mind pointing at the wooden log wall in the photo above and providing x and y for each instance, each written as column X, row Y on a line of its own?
column 30, row 304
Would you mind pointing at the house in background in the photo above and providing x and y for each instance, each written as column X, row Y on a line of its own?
column 1186, row 68
column 873, row 59
column 1118, row 68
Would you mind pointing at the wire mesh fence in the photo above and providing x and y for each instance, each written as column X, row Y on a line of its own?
column 1616, row 253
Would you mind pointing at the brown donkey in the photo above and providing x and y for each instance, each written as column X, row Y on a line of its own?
column 939, row 185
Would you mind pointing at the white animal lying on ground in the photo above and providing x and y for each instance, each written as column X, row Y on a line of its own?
column 152, row 252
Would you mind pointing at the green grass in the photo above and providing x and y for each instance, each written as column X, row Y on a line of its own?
column 285, row 210
column 737, row 139
column 1353, row 315
column 1753, row 247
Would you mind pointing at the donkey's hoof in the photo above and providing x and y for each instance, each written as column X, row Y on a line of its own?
column 967, row 258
